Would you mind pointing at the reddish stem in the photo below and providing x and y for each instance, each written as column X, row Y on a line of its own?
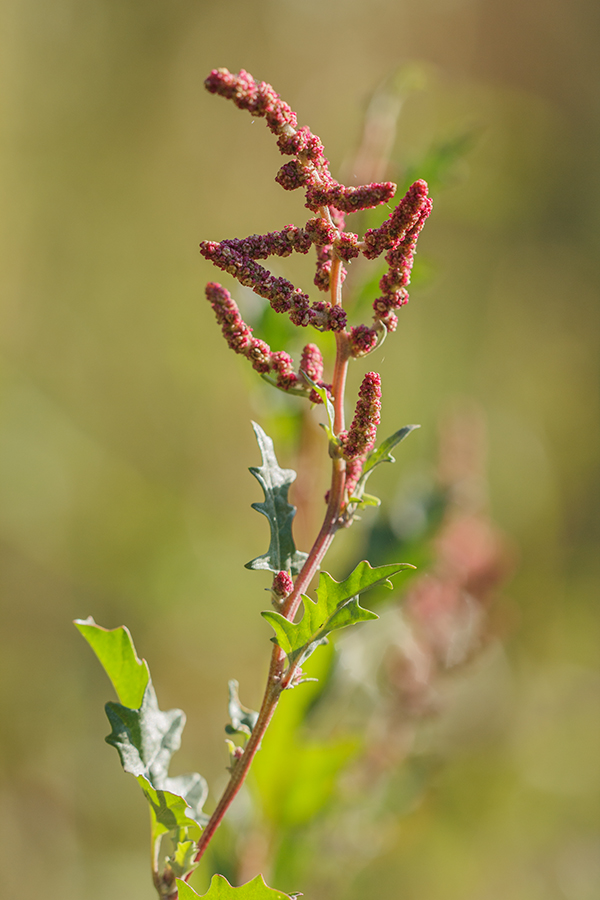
column 275, row 681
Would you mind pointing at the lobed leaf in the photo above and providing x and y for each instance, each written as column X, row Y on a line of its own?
column 336, row 607
column 275, row 482
column 220, row 889
column 114, row 648
column 146, row 739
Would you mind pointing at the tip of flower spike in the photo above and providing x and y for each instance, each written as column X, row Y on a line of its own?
column 259, row 98
column 409, row 213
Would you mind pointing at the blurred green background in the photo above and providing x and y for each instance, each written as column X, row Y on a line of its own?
column 124, row 419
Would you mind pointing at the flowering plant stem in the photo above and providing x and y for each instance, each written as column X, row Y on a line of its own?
column 275, row 683
column 144, row 735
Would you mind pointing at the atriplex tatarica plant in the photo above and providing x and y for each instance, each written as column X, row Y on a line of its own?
column 145, row 736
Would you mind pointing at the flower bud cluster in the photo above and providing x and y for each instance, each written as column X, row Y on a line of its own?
column 360, row 437
column 362, row 340
column 282, row 585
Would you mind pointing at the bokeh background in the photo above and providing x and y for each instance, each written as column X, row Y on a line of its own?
column 124, row 420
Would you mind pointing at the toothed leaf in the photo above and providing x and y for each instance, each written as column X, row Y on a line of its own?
column 275, row 482
column 114, row 648
column 220, row 889
column 336, row 607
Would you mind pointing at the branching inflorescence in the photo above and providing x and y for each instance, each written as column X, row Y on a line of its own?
column 331, row 201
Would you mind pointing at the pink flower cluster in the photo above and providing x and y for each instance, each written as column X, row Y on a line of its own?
column 360, row 437
column 282, row 585
column 240, row 338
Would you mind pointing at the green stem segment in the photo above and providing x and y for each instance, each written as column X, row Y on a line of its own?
column 276, row 681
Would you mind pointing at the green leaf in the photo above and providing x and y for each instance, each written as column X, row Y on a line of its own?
column 243, row 719
column 169, row 811
column 365, row 500
column 146, row 739
column 336, row 607
column 182, row 861
column 220, row 889
column 275, row 482
column 114, row 648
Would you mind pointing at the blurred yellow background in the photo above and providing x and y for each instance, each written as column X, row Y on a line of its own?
column 124, row 419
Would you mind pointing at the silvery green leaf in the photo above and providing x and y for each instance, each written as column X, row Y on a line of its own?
column 275, row 482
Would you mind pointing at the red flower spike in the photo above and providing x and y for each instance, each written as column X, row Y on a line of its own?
column 360, row 437
column 274, row 243
column 402, row 219
column 259, row 99
column 239, row 337
column 349, row 199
